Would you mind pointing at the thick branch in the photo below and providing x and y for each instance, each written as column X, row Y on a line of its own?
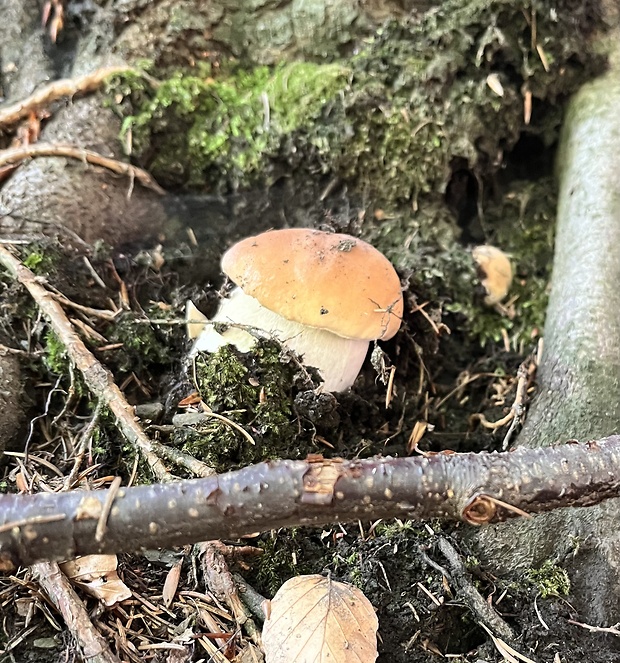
column 476, row 488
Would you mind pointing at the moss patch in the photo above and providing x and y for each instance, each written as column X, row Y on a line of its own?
column 390, row 120
column 225, row 128
column 255, row 391
column 550, row 580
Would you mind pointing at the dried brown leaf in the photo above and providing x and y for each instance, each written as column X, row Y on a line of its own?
column 313, row 619
column 97, row 575
column 172, row 583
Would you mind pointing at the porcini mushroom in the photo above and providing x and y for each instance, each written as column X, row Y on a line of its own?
column 323, row 295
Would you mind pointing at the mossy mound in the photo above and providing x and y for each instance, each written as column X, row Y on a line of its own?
column 252, row 392
column 461, row 81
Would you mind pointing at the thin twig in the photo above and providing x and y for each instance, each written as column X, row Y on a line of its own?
column 85, row 438
column 16, row 154
column 469, row 594
column 613, row 630
column 99, row 380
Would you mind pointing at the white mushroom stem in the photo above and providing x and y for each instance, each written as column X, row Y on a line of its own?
column 337, row 359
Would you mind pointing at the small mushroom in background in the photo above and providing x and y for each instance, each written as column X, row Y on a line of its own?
column 495, row 272
column 323, row 295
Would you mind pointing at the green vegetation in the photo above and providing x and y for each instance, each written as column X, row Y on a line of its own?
column 550, row 579
column 144, row 344
column 40, row 260
column 442, row 91
column 255, row 391
column 389, row 120
column 226, row 127
column 56, row 358
column 280, row 559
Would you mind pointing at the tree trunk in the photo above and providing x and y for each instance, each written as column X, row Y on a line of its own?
column 579, row 377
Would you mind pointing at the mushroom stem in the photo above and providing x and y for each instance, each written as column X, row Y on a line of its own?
column 337, row 359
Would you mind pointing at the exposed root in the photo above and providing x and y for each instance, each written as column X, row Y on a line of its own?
column 17, row 154
column 66, row 87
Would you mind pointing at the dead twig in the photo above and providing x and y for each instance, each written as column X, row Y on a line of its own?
column 220, row 582
column 99, row 380
column 16, row 154
column 517, row 410
column 93, row 646
column 612, row 630
column 459, row 577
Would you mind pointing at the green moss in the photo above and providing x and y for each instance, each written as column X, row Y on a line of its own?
column 40, row 261
column 226, row 127
column 550, row 579
column 389, row 120
column 392, row 528
column 350, row 567
column 427, row 246
column 280, row 559
column 254, row 390
column 56, row 358
column 144, row 345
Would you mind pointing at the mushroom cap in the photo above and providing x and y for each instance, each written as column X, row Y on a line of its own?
column 326, row 280
column 496, row 272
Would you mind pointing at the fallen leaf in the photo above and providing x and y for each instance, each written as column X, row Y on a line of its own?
column 172, row 583
column 315, row 619
column 96, row 574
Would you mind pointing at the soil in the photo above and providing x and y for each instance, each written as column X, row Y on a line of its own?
column 421, row 615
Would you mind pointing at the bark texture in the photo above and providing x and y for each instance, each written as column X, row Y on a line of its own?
column 315, row 491
column 579, row 377
column 55, row 196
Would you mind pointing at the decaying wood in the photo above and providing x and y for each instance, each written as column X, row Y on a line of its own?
column 476, row 488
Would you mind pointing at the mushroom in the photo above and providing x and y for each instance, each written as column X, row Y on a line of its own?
column 323, row 295
column 495, row 272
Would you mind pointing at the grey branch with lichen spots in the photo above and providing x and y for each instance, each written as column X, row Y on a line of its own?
column 476, row 488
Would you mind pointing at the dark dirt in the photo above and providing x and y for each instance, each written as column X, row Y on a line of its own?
column 419, row 614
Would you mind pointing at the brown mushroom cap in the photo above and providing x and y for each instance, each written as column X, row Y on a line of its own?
column 325, row 280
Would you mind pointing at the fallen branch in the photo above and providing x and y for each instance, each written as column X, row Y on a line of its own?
column 475, row 488
column 92, row 646
column 66, row 87
column 16, row 154
column 98, row 379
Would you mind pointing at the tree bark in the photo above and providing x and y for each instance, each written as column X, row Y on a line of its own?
column 475, row 488
column 579, row 376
